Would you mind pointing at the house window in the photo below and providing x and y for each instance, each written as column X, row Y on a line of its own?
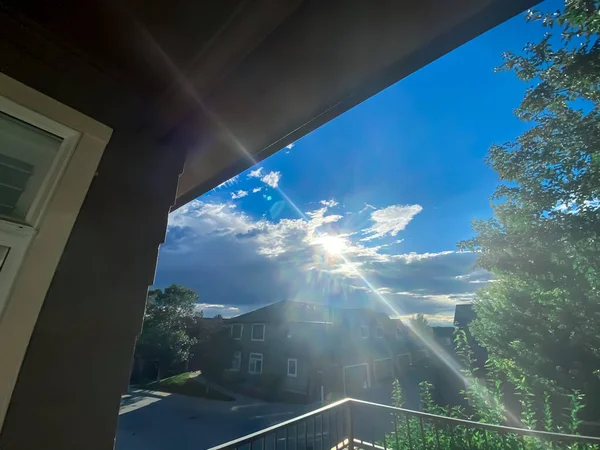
column 404, row 361
column 379, row 332
column 364, row 332
column 399, row 334
column 255, row 364
column 258, row 332
column 236, row 361
column 236, row 331
column 292, row 369
column 34, row 153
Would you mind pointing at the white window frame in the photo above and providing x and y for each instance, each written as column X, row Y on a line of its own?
column 356, row 365
column 364, row 335
column 53, row 214
column 241, row 325
column 377, row 333
column 238, row 358
column 404, row 354
column 255, row 356
column 263, row 334
column 295, row 374
column 70, row 139
column 17, row 236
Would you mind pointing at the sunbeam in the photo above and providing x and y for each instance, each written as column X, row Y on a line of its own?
column 331, row 244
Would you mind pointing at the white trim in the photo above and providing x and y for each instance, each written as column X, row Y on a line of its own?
column 295, row 374
column 355, row 365
column 53, row 215
column 241, row 331
column 377, row 334
column 383, row 359
column 16, row 238
column 262, row 361
column 70, row 139
column 233, row 369
column 252, row 332
column 364, row 327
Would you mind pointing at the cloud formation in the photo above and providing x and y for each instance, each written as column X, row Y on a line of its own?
column 256, row 173
column 236, row 261
column 390, row 220
column 272, row 179
column 228, row 183
column 329, row 203
column 238, row 194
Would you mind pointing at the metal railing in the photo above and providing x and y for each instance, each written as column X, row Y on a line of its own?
column 356, row 425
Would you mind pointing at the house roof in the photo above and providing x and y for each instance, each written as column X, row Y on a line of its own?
column 289, row 311
column 464, row 314
column 292, row 311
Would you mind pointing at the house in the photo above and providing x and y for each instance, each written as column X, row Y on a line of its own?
column 309, row 351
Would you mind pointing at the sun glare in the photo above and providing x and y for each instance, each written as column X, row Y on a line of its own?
column 333, row 245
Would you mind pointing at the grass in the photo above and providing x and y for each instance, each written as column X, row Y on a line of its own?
column 184, row 385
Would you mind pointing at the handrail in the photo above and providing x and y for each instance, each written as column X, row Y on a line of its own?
column 472, row 424
column 546, row 435
column 249, row 437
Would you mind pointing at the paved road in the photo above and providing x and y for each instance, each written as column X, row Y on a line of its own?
column 160, row 421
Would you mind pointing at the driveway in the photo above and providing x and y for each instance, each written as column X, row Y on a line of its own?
column 159, row 421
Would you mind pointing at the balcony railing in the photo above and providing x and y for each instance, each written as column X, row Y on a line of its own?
column 359, row 425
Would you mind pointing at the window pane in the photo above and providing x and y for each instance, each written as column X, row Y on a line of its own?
column 26, row 156
column 258, row 332
column 236, row 331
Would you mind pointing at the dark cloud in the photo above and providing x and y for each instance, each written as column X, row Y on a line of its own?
column 235, row 261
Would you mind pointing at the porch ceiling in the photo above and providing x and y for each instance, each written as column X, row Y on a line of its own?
column 233, row 80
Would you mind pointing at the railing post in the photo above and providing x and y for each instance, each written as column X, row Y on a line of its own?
column 350, row 425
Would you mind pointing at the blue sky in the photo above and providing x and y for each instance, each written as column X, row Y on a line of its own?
column 382, row 193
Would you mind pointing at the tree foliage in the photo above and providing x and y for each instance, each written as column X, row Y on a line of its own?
column 421, row 326
column 485, row 402
column 164, row 336
column 540, row 317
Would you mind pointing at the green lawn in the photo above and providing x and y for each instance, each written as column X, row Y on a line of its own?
column 184, row 385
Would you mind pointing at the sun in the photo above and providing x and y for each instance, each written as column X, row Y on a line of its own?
column 333, row 245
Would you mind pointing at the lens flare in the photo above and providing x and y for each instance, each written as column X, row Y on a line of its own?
column 333, row 245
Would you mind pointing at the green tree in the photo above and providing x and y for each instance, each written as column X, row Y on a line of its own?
column 164, row 336
column 421, row 326
column 540, row 318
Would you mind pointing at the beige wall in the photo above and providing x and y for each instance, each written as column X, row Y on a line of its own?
column 38, row 267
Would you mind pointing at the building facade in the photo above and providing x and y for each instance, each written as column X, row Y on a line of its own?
column 312, row 352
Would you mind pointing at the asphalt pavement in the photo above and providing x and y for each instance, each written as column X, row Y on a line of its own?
column 151, row 420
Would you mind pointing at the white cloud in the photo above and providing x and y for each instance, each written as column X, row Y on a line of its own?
column 211, row 310
column 255, row 190
column 390, row 220
column 290, row 146
column 256, row 173
column 366, row 208
column 228, row 183
column 238, row 194
column 238, row 261
column 272, row 179
column 329, row 203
